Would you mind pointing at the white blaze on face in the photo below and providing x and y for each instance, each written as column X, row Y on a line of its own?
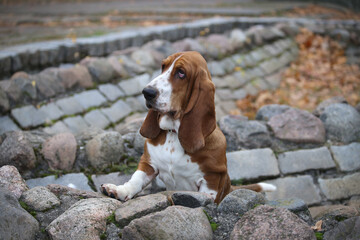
column 163, row 85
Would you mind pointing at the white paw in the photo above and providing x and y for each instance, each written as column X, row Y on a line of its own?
column 120, row 192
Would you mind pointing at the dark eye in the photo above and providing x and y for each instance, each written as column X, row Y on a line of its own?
column 181, row 74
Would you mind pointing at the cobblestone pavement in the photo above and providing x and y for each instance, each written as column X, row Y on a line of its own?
column 105, row 93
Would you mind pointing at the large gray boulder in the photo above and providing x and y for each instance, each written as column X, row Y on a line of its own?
column 15, row 222
column 266, row 222
column 175, row 222
column 348, row 229
column 342, row 122
column 86, row 219
column 11, row 181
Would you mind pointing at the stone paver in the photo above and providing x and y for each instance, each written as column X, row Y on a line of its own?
column 28, row 116
column 96, row 118
column 73, row 180
column 117, row 111
column 299, row 187
column 76, row 124
column 69, row 105
column 341, row 188
column 7, row 124
column 347, row 157
column 252, row 164
column 91, row 98
column 301, row 160
column 51, row 111
column 134, row 86
column 111, row 91
column 58, row 127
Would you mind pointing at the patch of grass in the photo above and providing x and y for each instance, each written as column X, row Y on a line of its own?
column 256, row 205
column 103, row 236
column 213, row 224
column 237, row 182
column 111, row 219
column 27, row 208
column 319, row 235
column 340, row 218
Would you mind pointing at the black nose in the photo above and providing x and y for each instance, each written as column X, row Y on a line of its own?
column 150, row 93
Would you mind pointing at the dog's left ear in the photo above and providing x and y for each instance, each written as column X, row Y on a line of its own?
column 199, row 119
column 150, row 127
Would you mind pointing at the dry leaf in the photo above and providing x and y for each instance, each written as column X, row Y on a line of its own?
column 317, row 226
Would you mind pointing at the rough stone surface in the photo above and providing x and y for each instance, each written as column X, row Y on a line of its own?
column 104, row 149
column 295, row 187
column 295, row 205
column 58, row 127
column 16, row 150
column 69, row 105
column 298, row 126
column 339, row 188
column 11, row 181
column 139, row 207
column 348, row 229
column 252, row 164
column 73, row 180
column 111, row 91
column 228, row 125
column 96, row 118
column 15, row 222
column 40, row 199
column 7, row 125
column 302, row 160
column 275, row 223
column 28, row 116
column 268, row 111
column 4, row 101
column 342, row 122
column 52, row 112
column 321, row 107
column 60, row 151
column 253, row 134
column 175, row 222
column 76, row 124
column 191, row 199
column 347, row 157
column 101, row 70
column 117, row 111
column 135, row 85
column 90, row 98
column 86, row 219
column 76, row 76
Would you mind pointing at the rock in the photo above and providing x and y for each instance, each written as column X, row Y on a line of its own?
column 268, row 111
column 188, row 44
column 111, row 91
column 25, row 84
column 11, row 181
column 305, row 189
column 355, row 202
column 347, row 157
column 237, row 38
column 240, row 201
column 144, row 58
column 228, row 125
column 131, row 67
column 340, row 188
column 175, row 222
column 297, row 126
column 12, row 90
column 333, row 214
column 274, row 223
column 342, row 122
column 4, row 102
column 221, row 42
column 321, row 107
column 40, row 199
column 252, row 164
column 302, row 160
column 294, row 205
column 191, row 199
column 119, row 69
column 73, row 180
column 76, row 76
column 61, row 190
column 161, row 46
column 86, row 219
column 104, row 149
column 15, row 222
column 139, row 207
column 60, row 151
column 47, row 83
column 16, row 150
column 348, row 229
column 101, row 70
column 252, row 134
column 7, row 125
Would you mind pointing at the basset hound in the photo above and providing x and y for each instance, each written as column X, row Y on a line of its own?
column 183, row 146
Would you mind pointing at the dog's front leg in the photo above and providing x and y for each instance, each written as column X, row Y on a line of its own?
column 139, row 180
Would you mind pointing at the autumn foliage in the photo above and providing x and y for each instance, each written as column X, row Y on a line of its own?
column 320, row 72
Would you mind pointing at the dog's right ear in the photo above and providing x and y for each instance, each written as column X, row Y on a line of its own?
column 150, row 127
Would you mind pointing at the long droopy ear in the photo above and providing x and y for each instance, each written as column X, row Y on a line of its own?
column 199, row 119
column 150, row 127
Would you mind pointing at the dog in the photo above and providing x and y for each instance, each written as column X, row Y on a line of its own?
column 184, row 146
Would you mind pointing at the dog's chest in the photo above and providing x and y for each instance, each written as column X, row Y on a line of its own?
column 175, row 167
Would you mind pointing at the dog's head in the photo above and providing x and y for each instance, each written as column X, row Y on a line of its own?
column 183, row 91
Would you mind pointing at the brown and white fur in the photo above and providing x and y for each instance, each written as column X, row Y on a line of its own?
column 184, row 146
